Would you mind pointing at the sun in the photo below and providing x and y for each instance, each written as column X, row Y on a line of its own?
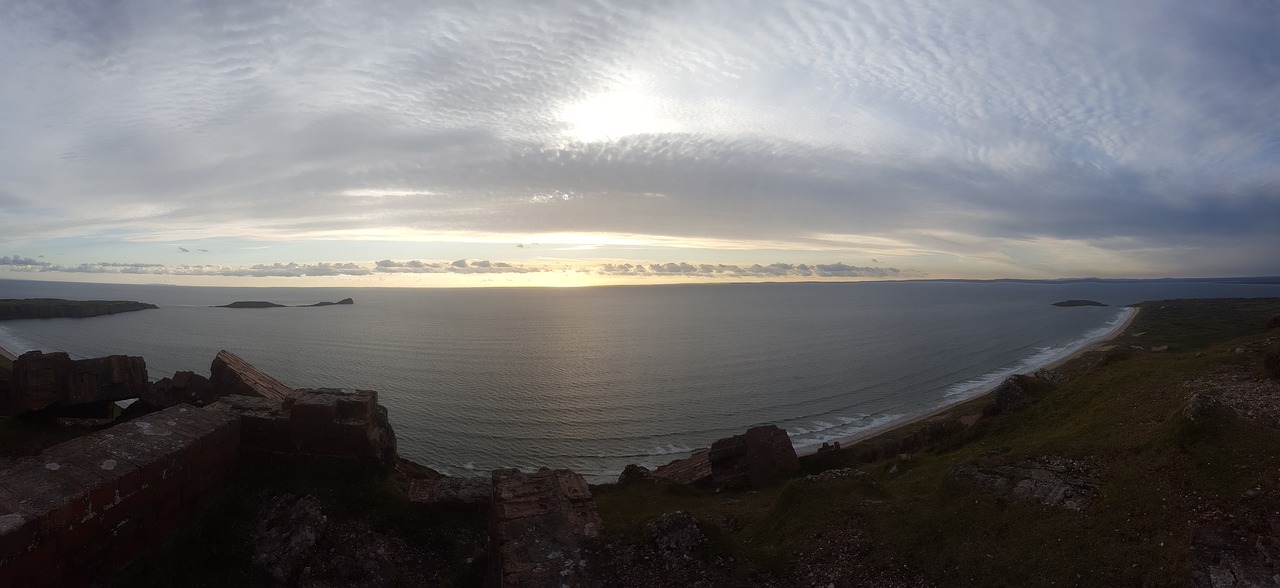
column 615, row 114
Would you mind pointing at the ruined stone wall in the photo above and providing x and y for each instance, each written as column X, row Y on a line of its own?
column 82, row 510
column 47, row 380
column 337, row 429
column 761, row 456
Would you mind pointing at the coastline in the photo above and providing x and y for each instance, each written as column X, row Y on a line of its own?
column 7, row 355
column 876, row 431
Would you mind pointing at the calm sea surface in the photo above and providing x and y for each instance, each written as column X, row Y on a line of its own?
column 595, row 378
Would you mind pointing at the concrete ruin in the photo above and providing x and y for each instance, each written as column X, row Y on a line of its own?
column 43, row 381
column 82, row 511
column 543, row 529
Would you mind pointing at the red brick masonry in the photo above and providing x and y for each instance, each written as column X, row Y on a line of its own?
column 84, row 509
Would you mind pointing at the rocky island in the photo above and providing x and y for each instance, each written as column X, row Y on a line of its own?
column 30, row 308
column 1147, row 460
column 1078, row 302
column 264, row 304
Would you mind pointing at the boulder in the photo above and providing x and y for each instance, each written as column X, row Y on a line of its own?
column 634, row 473
column 450, row 489
column 232, row 375
column 48, row 380
column 286, row 531
column 1015, row 393
column 759, row 457
column 675, row 533
column 182, row 388
column 543, row 530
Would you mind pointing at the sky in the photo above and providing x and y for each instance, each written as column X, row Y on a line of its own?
column 595, row 142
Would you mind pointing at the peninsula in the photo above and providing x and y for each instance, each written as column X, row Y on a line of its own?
column 33, row 308
column 1078, row 303
column 265, row 304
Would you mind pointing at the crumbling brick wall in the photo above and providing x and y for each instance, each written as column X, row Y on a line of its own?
column 338, row 429
column 82, row 510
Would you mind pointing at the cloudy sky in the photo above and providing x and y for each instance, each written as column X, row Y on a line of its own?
column 562, row 143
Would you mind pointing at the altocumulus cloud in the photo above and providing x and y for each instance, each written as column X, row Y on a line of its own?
column 464, row 266
column 773, row 270
column 1141, row 131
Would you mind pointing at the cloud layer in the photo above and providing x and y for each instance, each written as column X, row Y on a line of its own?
column 684, row 270
column 1142, row 133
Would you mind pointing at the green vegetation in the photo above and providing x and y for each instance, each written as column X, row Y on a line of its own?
column 1122, row 413
column 1191, row 324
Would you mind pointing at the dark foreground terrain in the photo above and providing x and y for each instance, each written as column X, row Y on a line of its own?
column 1150, row 461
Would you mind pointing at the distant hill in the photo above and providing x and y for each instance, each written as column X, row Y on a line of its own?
column 1079, row 303
column 29, row 308
column 264, row 304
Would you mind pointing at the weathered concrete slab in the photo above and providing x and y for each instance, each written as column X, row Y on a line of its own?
column 232, row 375
column 695, row 469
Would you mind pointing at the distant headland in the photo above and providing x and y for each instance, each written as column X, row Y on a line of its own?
column 264, row 304
column 31, row 308
column 1078, row 303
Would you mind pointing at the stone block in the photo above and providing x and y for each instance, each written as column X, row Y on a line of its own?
column 315, row 407
column 232, row 375
column 761, row 456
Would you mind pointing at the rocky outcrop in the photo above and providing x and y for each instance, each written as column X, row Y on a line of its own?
column 759, row 457
column 42, row 381
column 182, row 388
column 1229, row 552
column 676, row 533
column 451, row 490
column 286, row 531
column 343, row 301
column 1051, row 481
column 29, row 308
column 1015, row 393
column 234, row 376
column 634, row 473
column 543, row 530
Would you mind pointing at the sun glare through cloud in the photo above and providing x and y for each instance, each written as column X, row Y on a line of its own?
column 965, row 140
column 614, row 115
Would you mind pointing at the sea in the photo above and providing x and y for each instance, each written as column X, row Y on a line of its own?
column 593, row 379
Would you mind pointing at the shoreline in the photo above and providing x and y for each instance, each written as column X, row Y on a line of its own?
column 873, row 432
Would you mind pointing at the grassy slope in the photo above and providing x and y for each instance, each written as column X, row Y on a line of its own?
column 1157, row 471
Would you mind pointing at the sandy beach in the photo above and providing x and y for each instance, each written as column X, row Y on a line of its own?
column 910, row 420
